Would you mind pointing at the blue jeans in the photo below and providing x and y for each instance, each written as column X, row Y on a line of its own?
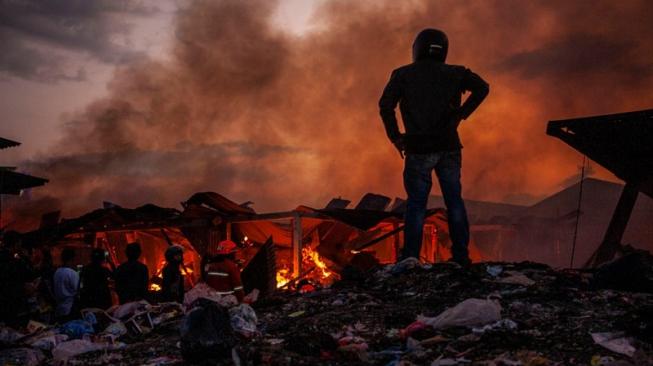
column 417, row 181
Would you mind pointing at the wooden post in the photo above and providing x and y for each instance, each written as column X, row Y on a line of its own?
column 296, row 244
column 228, row 230
column 617, row 227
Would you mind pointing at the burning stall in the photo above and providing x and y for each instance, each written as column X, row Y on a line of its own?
column 112, row 228
column 304, row 243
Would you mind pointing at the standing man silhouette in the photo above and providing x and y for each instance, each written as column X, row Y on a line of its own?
column 429, row 93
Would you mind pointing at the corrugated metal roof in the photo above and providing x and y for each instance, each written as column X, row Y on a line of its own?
column 12, row 182
column 5, row 143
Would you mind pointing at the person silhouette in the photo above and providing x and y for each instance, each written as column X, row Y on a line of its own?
column 429, row 93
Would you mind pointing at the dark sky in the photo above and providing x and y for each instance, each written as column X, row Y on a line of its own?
column 136, row 102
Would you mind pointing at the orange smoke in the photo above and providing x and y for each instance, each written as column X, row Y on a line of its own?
column 256, row 114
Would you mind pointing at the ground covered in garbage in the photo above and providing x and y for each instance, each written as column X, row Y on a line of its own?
column 547, row 318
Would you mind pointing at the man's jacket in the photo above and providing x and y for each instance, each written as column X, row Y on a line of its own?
column 429, row 94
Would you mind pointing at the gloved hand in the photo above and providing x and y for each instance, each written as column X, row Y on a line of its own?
column 400, row 145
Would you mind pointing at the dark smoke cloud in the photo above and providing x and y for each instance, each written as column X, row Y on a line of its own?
column 37, row 36
column 248, row 111
column 580, row 56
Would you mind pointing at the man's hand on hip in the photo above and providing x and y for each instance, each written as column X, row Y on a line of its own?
column 400, row 144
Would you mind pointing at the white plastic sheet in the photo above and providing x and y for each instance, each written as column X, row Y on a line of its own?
column 469, row 313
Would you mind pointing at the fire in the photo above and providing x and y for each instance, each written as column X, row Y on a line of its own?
column 283, row 277
column 310, row 255
column 185, row 271
column 311, row 259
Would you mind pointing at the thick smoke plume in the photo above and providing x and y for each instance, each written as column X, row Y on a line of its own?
column 257, row 114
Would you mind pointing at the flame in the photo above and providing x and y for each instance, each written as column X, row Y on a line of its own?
column 310, row 255
column 283, row 277
column 185, row 270
column 310, row 258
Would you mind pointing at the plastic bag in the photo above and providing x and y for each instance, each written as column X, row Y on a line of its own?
column 76, row 329
column 49, row 342
column 204, row 291
column 469, row 313
column 117, row 329
column 517, row 278
column 615, row 342
column 243, row 320
column 206, row 332
column 67, row 350
column 130, row 308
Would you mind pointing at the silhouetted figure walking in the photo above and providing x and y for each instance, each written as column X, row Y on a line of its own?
column 172, row 286
column 132, row 276
column 429, row 94
column 94, row 290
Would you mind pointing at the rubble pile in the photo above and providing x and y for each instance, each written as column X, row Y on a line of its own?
column 441, row 314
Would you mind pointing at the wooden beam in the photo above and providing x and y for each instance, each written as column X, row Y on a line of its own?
column 617, row 227
column 296, row 244
column 278, row 216
column 228, row 230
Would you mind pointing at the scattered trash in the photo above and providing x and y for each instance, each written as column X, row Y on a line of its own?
column 412, row 328
column 204, row 291
column 405, row 265
column 494, row 270
column 162, row 361
column 33, row 326
column 516, row 278
column 368, row 322
column 49, row 342
column 615, row 342
column 127, row 310
column 296, row 314
column 251, row 297
column 243, row 320
column 21, row 356
column 471, row 312
column 9, row 335
column 434, row 340
column 67, row 350
column 76, row 329
column 450, row 362
column 117, row 329
column 503, row 324
column 140, row 323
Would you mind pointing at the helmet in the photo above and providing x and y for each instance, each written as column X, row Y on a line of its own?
column 174, row 251
column 222, row 248
column 430, row 43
